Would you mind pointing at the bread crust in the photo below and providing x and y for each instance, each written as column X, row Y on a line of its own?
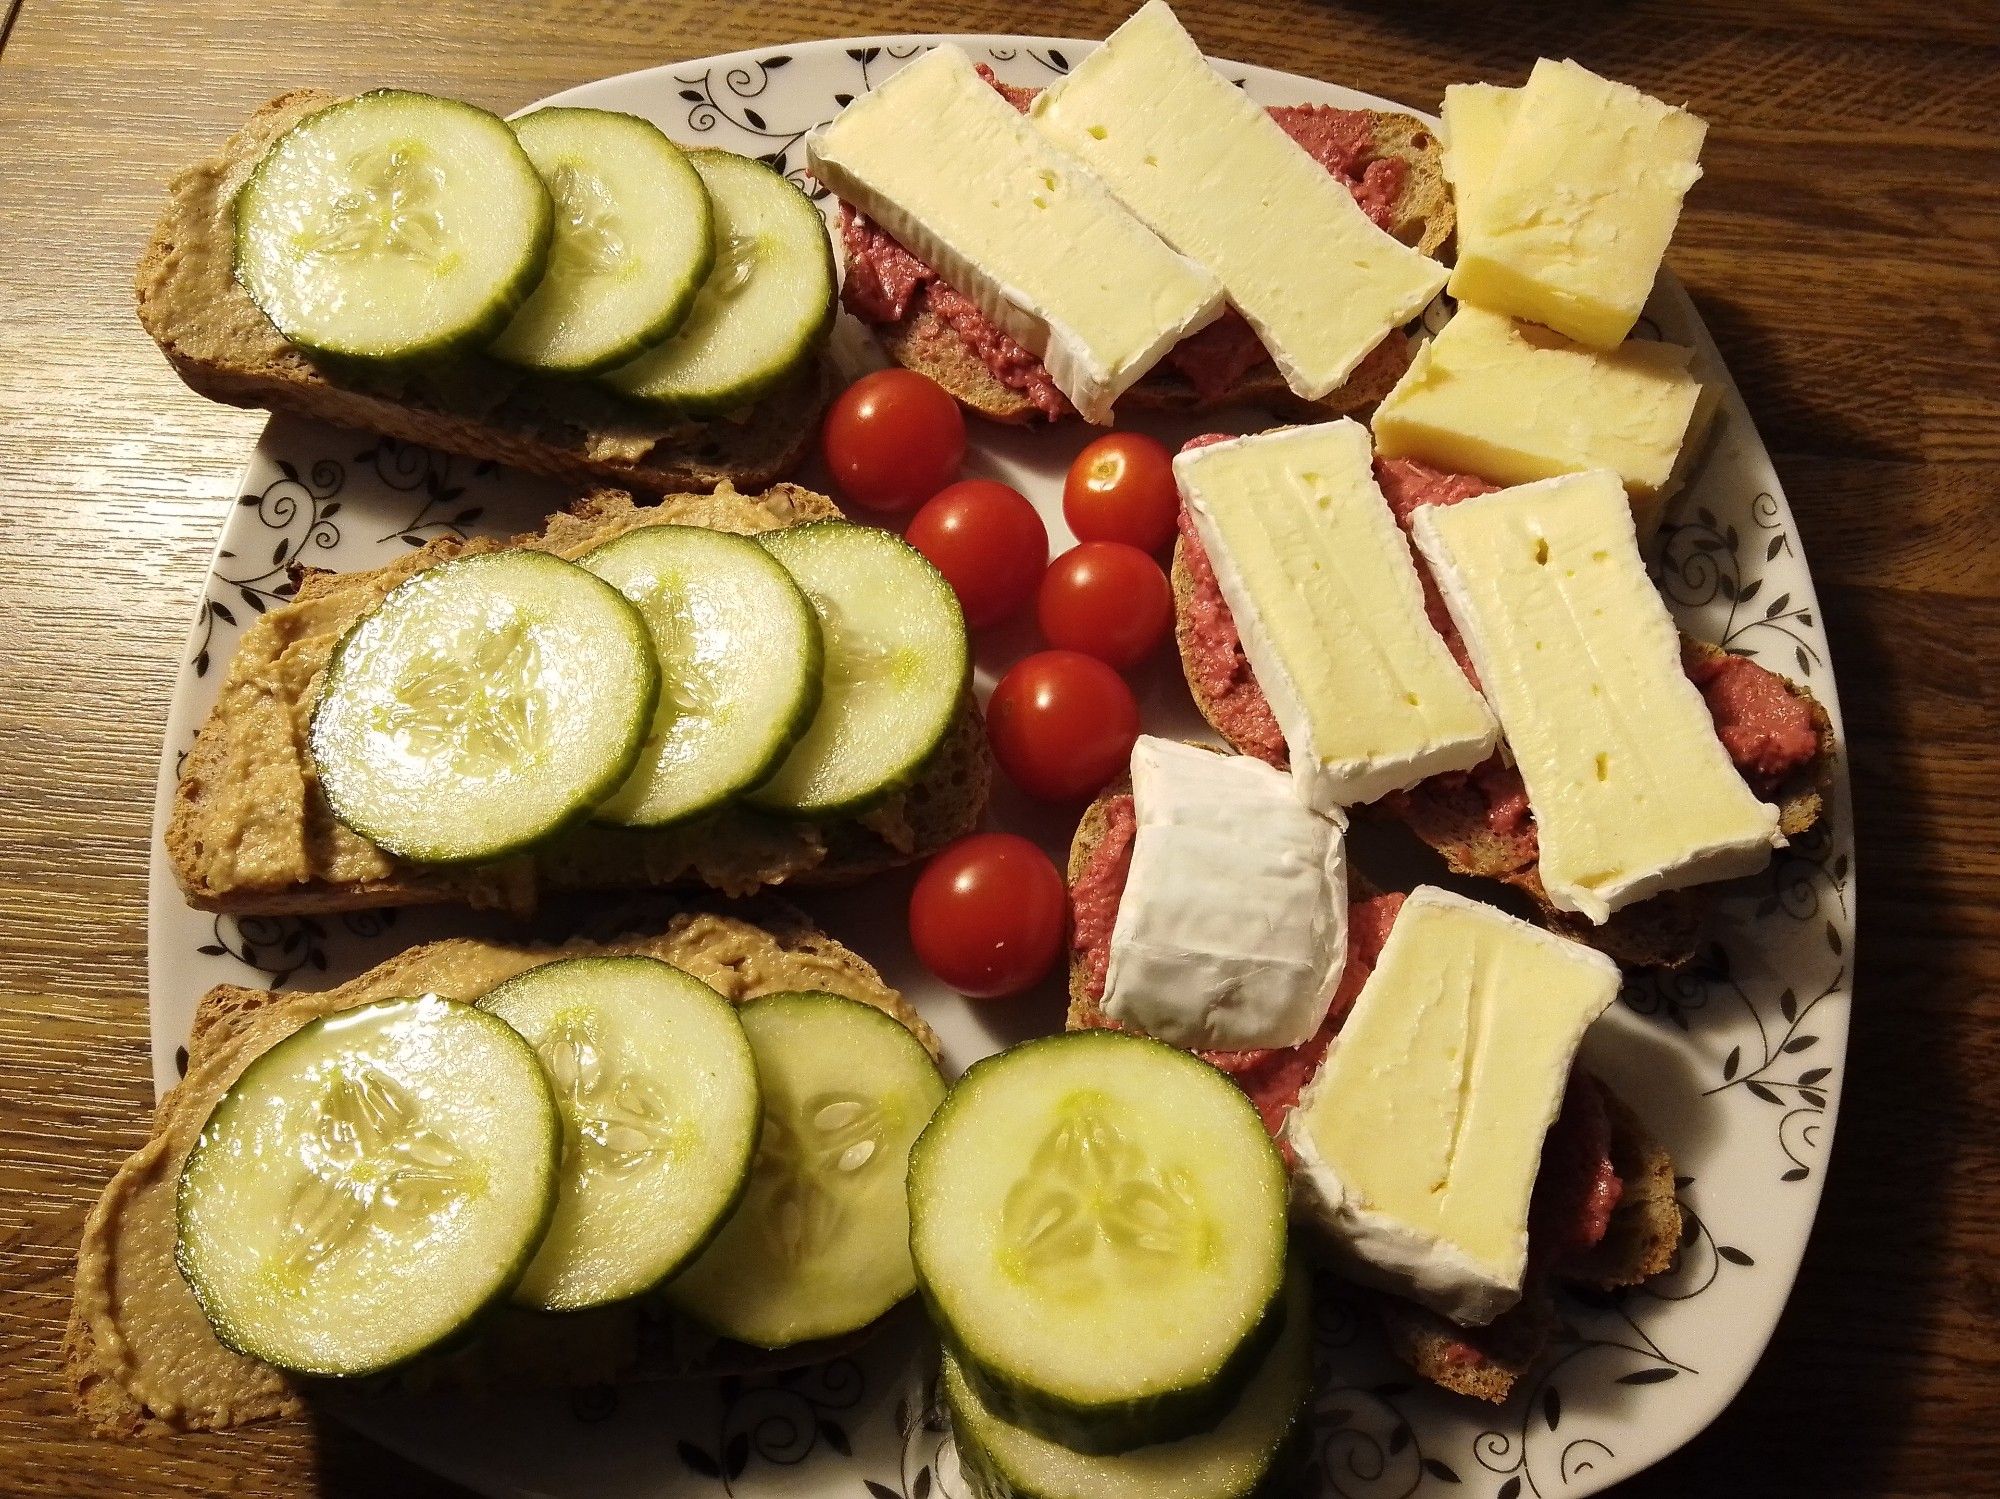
column 1424, row 218
column 223, row 347
column 943, row 802
column 1662, row 933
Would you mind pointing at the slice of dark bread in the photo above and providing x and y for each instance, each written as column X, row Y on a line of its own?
column 923, row 341
column 1664, row 932
column 225, row 348
column 250, row 831
column 140, row 1357
column 1642, row 1240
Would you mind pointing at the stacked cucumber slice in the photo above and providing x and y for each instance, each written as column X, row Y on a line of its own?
column 377, row 1180
column 1098, row 1226
column 395, row 227
column 491, row 702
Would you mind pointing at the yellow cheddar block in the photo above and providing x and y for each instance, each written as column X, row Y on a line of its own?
column 1477, row 117
column 1571, row 219
column 1513, row 403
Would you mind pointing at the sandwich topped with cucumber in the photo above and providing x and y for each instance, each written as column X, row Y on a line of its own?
column 484, row 1164
column 722, row 690
column 1216, row 913
column 569, row 292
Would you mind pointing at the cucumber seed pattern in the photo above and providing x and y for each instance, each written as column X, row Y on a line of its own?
column 829, row 1136
column 1094, row 1210
column 614, row 1121
column 391, row 209
column 469, row 703
column 589, row 240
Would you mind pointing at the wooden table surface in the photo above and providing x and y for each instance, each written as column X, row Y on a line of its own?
column 1844, row 247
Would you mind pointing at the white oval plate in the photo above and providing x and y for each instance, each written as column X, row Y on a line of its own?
column 1738, row 1068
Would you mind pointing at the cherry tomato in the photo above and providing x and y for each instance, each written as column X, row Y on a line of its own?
column 1108, row 600
column 892, row 439
column 987, row 915
column 1062, row 724
column 988, row 542
column 1121, row 488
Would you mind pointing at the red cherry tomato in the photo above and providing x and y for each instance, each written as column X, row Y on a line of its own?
column 987, row 915
column 1062, row 725
column 988, row 542
column 892, row 439
column 1108, row 600
column 1121, row 488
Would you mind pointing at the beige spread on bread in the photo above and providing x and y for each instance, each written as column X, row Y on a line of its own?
column 251, row 829
column 140, row 1353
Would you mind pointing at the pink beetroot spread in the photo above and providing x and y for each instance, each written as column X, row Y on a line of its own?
column 1094, row 894
column 1766, row 727
column 1578, row 1187
column 882, row 275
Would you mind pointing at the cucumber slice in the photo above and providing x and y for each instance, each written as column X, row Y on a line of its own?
column 369, row 1186
column 660, row 1106
column 765, row 308
column 1254, row 1454
column 633, row 242
column 895, row 672
column 821, row 1243
column 392, row 226
column 739, row 652
column 1098, row 1223
column 484, row 705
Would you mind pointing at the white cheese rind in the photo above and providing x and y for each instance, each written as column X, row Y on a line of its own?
column 1419, row 1139
column 1513, row 403
column 1570, row 220
column 1231, row 934
column 1218, row 179
column 1632, row 791
column 949, row 168
column 1325, row 595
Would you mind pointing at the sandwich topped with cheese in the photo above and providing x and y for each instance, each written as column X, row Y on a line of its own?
column 1146, row 234
column 1391, row 1042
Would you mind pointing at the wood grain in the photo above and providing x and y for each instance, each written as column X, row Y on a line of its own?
column 1843, row 247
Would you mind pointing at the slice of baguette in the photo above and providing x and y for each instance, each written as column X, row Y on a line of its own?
column 250, row 830
column 225, row 348
column 140, row 1356
column 1642, row 1240
column 1664, row 932
column 1424, row 218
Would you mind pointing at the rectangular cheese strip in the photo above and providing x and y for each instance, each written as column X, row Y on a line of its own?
column 1200, row 161
column 1571, row 219
column 950, row 169
column 1325, row 595
column 1632, row 792
column 1513, row 402
column 1232, row 931
column 1419, row 1138
column 1476, row 119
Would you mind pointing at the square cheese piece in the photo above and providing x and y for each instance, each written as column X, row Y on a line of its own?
column 949, row 168
column 1513, row 402
column 1631, row 789
column 1419, row 1138
column 1200, row 161
column 1572, row 219
column 1325, row 594
column 1232, row 931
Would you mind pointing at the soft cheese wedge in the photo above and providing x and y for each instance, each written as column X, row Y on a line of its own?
column 1324, row 591
column 1215, row 176
column 1232, row 933
column 1564, row 218
column 1419, row 1138
column 1632, row 791
column 949, row 168
column 1513, row 403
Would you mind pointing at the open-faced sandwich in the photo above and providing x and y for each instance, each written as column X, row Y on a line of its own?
column 726, row 690
column 571, row 293
column 1137, row 239
column 1413, row 1052
column 689, row 1142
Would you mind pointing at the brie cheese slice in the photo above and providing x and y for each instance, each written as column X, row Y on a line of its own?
column 951, row 170
column 1419, row 1138
column 1232, row 932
